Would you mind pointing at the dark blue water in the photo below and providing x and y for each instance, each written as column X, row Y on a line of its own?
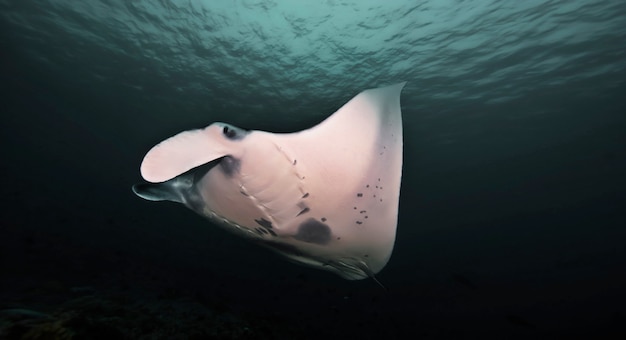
column 512, row 216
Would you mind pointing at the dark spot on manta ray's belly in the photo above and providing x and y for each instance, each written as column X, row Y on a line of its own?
column 313, row 231
column 264, row 223
column 359, row 222
column 323, row 219
column 359, row 194
column 305, row 195
column 230, row 165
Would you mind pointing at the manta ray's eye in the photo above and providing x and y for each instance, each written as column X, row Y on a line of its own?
column 229, row 132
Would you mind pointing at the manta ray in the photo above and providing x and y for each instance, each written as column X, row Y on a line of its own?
column 325, row 197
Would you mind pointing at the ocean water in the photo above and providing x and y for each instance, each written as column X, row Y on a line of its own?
column 512, row 220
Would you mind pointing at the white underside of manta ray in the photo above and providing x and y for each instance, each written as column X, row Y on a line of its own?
column 326, row 197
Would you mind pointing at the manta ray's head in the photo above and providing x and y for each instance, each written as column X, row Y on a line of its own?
column 190, row 149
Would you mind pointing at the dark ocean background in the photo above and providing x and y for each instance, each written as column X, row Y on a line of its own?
column 512, row 219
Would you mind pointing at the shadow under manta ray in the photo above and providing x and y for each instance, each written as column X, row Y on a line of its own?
column 326, row 197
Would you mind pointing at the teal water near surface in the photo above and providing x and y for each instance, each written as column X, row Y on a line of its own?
column 512, row 206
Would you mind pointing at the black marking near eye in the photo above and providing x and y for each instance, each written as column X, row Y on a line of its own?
column 264, row 223
column 323, row 219
column 359, row 222
column 305, row 195
column 229, row 132
column 359, row 194
column 304, row 211
column 313, row 231
column 230, row 165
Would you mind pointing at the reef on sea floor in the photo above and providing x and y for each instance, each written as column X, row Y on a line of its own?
column 93, row 317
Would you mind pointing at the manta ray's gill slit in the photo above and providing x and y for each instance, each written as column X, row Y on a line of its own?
column 266, row 226
column 293, row 161
column 228, row 223
column 277, row 192
column 304, row 211
column 242, row 190
column 263, row 208
column 264, row 223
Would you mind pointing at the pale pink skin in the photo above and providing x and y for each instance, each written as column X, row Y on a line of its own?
column 326, row 197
